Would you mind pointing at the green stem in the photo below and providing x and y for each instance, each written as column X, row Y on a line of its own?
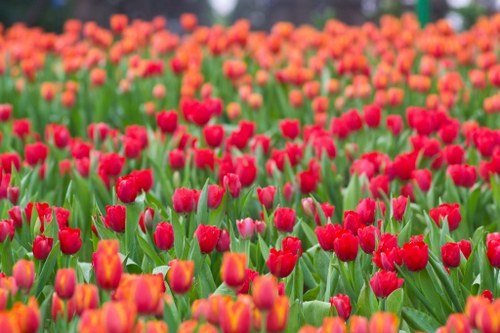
column 329, row 278
column 263, row 322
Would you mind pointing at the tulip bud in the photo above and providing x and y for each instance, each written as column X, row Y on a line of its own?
column 235, row 317
column 277, row 318
column 207, row 237
column 70, row 240
column 147, row 294
column 264, row 291
column 180, row 276
column 183, row 200
column 86, row 298
column 233, row 183
column 115, row 218
column 383, row 283
column 281, row 263
column 342, row 305
column 119, row 316
column 450, row 254
column 164, row 236
column 384, row 322
column 127, row 189
column 233, row 269
column 266, row 196
column 224, row 242
column 284, row 219
column 108, row 270
column 60, row 308
column 24, row 274
column 245, row 227
column 345, row 246
column 65, row 283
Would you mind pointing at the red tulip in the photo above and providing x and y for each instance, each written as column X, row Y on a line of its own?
column 399, row 207
column 35, row 153
column 215, row 195
column 326, row 235
column 465, row 247
column 214, row 135
column 290, row 128
column 233, row 183
column 126, row 189
column 42, row 246
column 24, row 274
column 65, row 283
column 383, row 283
column 167, row 121
column 284, row 219
column 180, row 276
column 183, row 200
column 224, row 242
column 245, row 227
column 70, row 240
column 207, row 237
column 493, row 249
column 342, row 305
column 450, row 254
column 372, row 115
column 366, row 236
column 366, row 210
column 144, row 179
column 164, row 236
column 264, row 291
column 115, row 218
column 449, row 211
column 6, row 230
column 281, row 263
column 233, row 269
column 345, row 245
column 394, row 123
column 415, row 255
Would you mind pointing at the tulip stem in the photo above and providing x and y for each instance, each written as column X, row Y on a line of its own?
column 263, row 323
column 329, row 278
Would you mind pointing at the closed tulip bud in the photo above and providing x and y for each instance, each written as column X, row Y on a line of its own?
column 108, row 246
column 167, row 121
column 127, row 189
column 214, row 135
column 224, row 242
column 366, row 209
column 119, row 317
column 60, row 308
column 250, row 275
column 260, row 227
column 367, row 236
column 215, row 195
column 115, row 218
column 13, row 194
column 147, row 294
column 465, row 247
column 180, row 276
column 70, row 240
column 108, row 270
column 277, row 318
column 333, row 325
column 342, row 305
column 383, row 283
column 290, row 128
column 266, row 196
column 233, row 183
column 183, row 200
column 65, row 283
column 144, row 179
column 215, row 304
column 399, row 207
column 235, row 317
column 450, row 254
column 358, row 324
column 24, row 274
column 415, row 255
column 245, row 227
column 384, row 322
column 233, row 269
column 207, row 237
column 42, row 246
column 284, row 219
column 326, row 236
column 264, row 291
column 7, row 230
column 164, row 236
column 345, row 246
column 281, row 263
column 86, row 298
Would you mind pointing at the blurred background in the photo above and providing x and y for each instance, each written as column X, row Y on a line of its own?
column 50, row 14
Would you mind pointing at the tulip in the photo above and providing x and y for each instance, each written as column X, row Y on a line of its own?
column 214, row 135
column 119, row 317
column 70, row 240
column 245, row 227
column 333, row 324
column 326, row 236
column 167, row 121
column 284, row 219
column 415, row 255
column 449, row 211
column 366, row 210
column 352, row 221
column 108, row 270
column 384, row 322
column 493, row 249
column 235, row 317
column 292, row 244
column 91, row 321
column 233, row 269
column 224, row 242
column 8, row 323
column 450, row 254
column 465, row 248
column 183, row 200
column 342, row 305
column 115, row 218
column 214, row 196
column 180, row 276
column 290, row 128
column 383, row 283
column 28, row 316
column 207, row 237
column 281, row 263
column 266, row 196
column 345, row 246
column 61, row 308
column 366, row 237
column 147, row 294
column 86, row 298
column 399, row 207
column 277, row 318
column 358, row 324
column 65, row 283
column 24, row 274
column 264, row 291
column 233, row 183
column 127, row 189
column 144, row 179
column 6, row 230
column 164, row 236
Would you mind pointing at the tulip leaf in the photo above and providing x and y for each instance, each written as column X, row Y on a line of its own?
column 419, row 320
column 224, row 289
column 85, row 269
column 202, row 210
column 315, row 311
column 48, row 269
column 367, row 301
column 150, row 251
column 311, row 294
column 394, row 301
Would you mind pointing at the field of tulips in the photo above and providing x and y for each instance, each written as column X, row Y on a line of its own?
column 229, row 180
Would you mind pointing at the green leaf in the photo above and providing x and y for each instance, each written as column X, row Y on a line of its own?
column 394, row 302
column 311, row 294
column 150, row 251
column 419, row 320
column 48, row 269
column 315, row 311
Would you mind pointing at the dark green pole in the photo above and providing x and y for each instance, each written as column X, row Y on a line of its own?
column 423, row 10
